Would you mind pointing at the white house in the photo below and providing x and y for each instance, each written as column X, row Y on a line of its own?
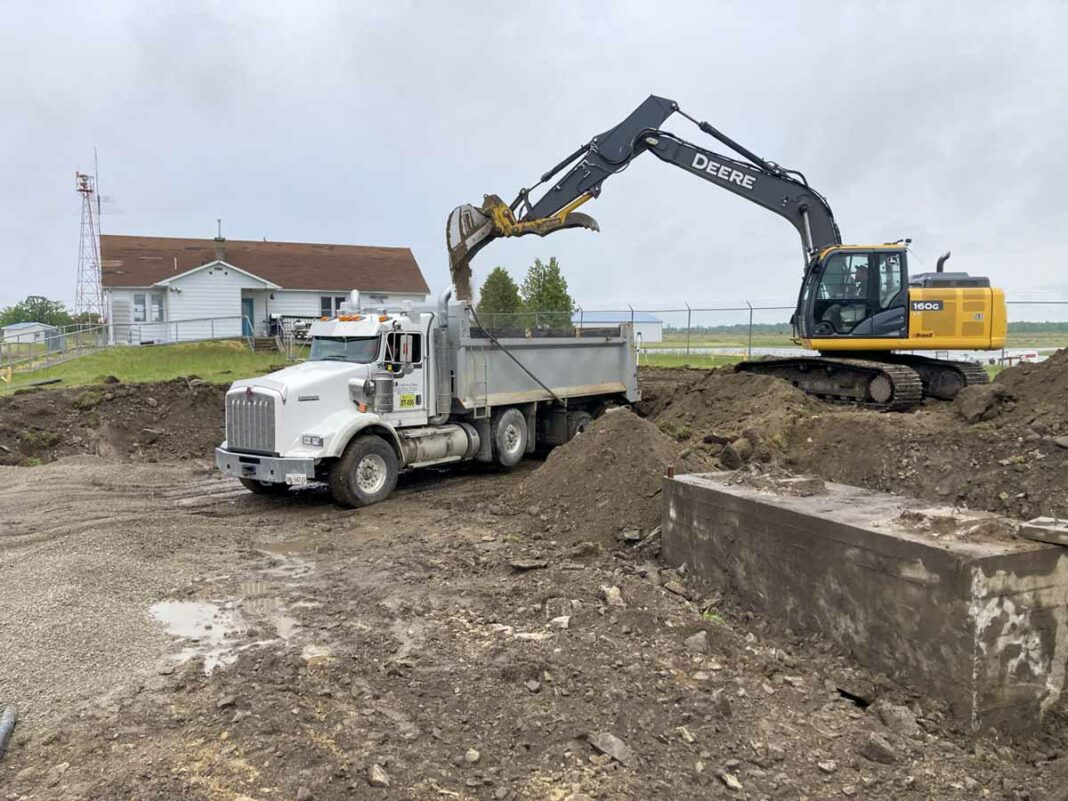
column 647, row 327
column 27, row 333
column 161, row 289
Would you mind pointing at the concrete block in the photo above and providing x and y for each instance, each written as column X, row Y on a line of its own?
column 949, row 601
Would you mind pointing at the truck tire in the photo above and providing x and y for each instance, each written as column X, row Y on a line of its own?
column 366, row 473
column 264, row 487
column 577, row 422
column 509, row 438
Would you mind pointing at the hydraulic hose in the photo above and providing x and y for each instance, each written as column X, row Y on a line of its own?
column 7, row 726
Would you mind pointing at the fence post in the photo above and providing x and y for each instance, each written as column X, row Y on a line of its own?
column 578, row 331
column 749, row 349
column 689, row 314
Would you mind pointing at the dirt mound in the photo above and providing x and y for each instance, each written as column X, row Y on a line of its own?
column 608, row 479
column 1003, row 448
column 1039, row 390
column 175, row 419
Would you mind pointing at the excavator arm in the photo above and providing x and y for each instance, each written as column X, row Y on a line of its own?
column 762, row 182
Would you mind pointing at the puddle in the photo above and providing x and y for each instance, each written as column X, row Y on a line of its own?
column 209, row 629
column 287, row 566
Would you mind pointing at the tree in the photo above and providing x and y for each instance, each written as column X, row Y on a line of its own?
column 545, row 290
column 36, row 309
column 499, row 295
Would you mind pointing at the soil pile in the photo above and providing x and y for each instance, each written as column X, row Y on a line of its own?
column 607, row 480
column 1002, row 447
column 171, row 420
column 1040, row 390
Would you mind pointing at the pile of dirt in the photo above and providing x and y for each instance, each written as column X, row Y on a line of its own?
column 1001, row 447
column 169, row 420
column 1039, row 390
column 607, row 480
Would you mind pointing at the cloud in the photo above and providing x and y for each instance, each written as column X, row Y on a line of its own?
column 366, row 123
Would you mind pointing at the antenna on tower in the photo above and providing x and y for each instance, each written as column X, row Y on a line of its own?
column 89, row 304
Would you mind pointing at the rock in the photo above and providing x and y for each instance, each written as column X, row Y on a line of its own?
column 1061, row 442
column 471, row 756
column 533, row 511
column 225, row 701
column 686, row 735
column 377, row 777
column 613, row 597
column 629, row 535
column 830, row 766
column 562, row 622
column 897, row 718
column 150, row 435
column 697, row 643
column 736, row 454
column 877, row 748
column 152, row 402
column 730, row 780
column 533, row 685
column 525, row 565
column 676, row 588
column 610, row 745
column 55, row 774
column 304, row 794
column 981, row 402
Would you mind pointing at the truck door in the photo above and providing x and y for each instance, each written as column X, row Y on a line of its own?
column 404, row 358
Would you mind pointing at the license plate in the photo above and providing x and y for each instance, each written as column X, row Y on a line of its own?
column 296, row 479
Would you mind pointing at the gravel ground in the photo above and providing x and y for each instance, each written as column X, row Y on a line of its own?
column 85, row 548
column 439, row 645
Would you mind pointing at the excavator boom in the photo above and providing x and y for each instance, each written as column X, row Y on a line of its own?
column 471, row 228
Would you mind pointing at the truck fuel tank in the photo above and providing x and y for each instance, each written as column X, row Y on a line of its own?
column 431, row 444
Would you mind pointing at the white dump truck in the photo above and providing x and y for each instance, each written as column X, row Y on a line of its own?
column 384, row 390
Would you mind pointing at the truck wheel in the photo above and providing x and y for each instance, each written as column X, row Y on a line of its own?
column 577, row 422
column 366, row 473
column 509, row 438
column 264, row 487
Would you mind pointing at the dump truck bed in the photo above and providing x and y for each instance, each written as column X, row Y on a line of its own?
column 492, row 370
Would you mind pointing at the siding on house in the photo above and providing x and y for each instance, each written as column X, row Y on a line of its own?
column 214, row 292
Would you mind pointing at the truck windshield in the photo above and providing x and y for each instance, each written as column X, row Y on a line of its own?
column 362, row 350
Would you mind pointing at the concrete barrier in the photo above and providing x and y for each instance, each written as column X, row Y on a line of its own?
column 950, row 602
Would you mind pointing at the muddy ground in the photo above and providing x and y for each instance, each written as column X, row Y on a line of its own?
column 468, row 638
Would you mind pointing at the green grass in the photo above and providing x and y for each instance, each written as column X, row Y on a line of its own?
column 676, row 339
column 653, row 359
column 218, row 362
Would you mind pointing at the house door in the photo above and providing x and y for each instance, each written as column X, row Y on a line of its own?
column 248, row 310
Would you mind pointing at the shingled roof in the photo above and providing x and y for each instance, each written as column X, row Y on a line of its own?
column 142, row 261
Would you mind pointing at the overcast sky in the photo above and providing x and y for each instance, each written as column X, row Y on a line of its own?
column 365, row 123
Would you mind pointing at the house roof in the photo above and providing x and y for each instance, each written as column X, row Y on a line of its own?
column 142, row 261
column 613, row 317
column 19, row 326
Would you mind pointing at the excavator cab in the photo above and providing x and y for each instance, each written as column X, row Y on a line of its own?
column 862, row 298
column 854, row 292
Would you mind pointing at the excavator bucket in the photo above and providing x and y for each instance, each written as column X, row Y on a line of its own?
column 470, row 229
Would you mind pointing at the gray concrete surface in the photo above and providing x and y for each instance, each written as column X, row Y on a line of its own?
column 952, row 602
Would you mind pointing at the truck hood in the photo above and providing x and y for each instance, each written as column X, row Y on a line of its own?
column 306, row 378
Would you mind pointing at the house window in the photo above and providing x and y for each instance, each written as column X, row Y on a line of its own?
column 140, row 310
column 157, row 307
column 330, row 305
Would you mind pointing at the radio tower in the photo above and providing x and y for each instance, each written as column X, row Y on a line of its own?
column 89, row 297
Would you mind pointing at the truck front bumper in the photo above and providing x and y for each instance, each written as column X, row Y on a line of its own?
column 271, row 469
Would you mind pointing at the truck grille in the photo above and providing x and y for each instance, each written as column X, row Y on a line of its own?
column 250, row 422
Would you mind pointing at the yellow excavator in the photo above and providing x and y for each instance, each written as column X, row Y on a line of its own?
column 858, row 305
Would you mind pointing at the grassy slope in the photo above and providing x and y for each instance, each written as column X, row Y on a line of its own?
column 218, row 362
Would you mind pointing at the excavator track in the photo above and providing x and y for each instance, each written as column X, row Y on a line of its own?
column 942, row 378
column 885, row 386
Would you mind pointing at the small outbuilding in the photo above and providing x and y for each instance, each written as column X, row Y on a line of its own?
column 27, row 333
